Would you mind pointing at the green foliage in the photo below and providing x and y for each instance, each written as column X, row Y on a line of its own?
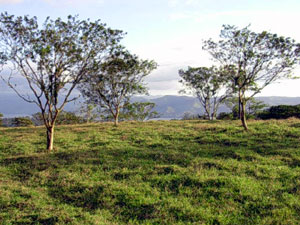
column 226, row 116
column 53, row 57
column 156, row 172
column 69, row 118
column 89, row 112
column 64, row 117
column 119, row 77
column 206, row 83
column 190, row 116
column 253, row 108
column 139, row 111
column 281, row 112
column 1, row 116
column 251, row 61
column 22, row 122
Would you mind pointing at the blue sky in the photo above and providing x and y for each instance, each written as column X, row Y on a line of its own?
column 171, row 31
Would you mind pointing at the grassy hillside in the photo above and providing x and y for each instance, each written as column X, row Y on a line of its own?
column 162, row 172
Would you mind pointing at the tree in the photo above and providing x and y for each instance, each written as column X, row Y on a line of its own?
column 253, row 107
column 118, row 78
column 89, row 112
column 206, row 83
column 280, row 112
column 1, row 116
column 252, row 60
column 139, row 111
column 190, row 116
column 53, row 58
column 22, row 122
column 64, row 117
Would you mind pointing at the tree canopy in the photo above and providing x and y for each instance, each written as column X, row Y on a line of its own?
column 53, row 58
column 118, row 77
column 252, row 60
column 139, row 111
column 206, row 83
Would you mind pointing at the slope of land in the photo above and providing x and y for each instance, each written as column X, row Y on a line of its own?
column 158, row 172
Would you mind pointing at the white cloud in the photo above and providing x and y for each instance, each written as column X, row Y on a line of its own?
column 57, row 2
column 185, row 49
column 192, row 2
column 73, row 2
column 10, row 1
column 173, row 3
column 180, row 16
column 281, row 22
column 177, row 3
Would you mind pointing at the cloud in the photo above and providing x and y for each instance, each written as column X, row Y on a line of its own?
column 10, row 1
column 173, row 3
column 164, row 87
column 56, row 2
column 72, row 2
column 177, row 3
column 180, row 16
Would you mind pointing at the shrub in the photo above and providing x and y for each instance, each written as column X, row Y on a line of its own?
column 22, row 122
column 280, row 112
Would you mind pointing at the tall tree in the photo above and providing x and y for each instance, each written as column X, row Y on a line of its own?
column 253, row 60
column 1, row 116
column 118, row 78
column 206, row 83
column 53, row 58
column 253, row 106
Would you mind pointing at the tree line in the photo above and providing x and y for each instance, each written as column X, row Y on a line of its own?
column 57, row 57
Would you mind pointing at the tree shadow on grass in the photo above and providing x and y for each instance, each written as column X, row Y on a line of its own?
column 35, row 219
column 24, row 167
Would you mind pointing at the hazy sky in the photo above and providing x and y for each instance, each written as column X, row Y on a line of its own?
column 171, row 31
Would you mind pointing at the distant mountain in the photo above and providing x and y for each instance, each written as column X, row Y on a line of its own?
column 169, row 106
column 172, row 106
column 12, row 105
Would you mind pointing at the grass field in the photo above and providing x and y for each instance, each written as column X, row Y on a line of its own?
column 160, row 172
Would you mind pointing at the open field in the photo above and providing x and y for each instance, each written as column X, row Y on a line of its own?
column 159, row 172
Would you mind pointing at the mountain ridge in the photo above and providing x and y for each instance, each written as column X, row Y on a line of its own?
column 169, row 106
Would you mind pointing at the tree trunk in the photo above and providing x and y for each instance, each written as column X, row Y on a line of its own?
column 50, row 138
column 213, row 115
column 207, row 109
column 116, row 122
column 116, row 116
column 240, row 103
column 243, row 115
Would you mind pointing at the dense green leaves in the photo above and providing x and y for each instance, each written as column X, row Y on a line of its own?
column 281, row 112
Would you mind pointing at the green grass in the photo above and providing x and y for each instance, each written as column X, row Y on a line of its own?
column 163, row 172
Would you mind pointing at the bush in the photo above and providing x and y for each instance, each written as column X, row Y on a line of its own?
column 225, row 116
column 22, row 122
column 1, row 116
column 191, row 116
column 64, row 117
column 69, row 118
column 280, row 112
